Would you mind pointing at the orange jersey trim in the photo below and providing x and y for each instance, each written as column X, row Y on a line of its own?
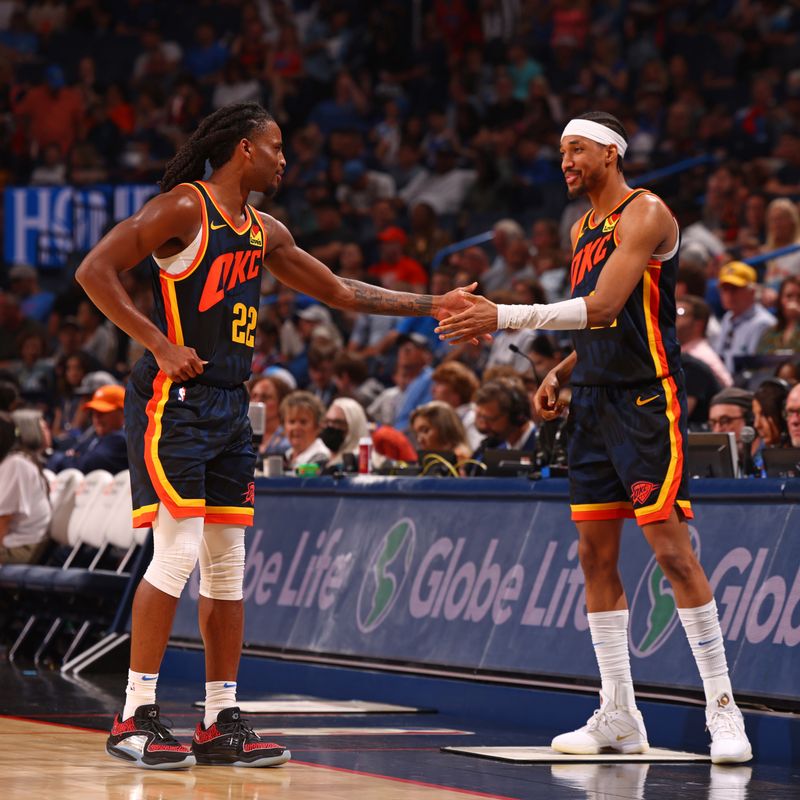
column 143, row 517
column 602, row 514
column 260, row 222
column 600, row 511
column 178, row 506
column 248, row 217
column 171, row 311
column 230, row 519
column 201, row 251
column 591, row 211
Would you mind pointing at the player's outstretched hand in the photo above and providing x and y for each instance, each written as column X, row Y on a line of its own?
column 179, row 363
column 546, row 401
column 478, row 318
column 455, row 301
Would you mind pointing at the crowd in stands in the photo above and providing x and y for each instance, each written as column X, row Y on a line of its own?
column 408, row 126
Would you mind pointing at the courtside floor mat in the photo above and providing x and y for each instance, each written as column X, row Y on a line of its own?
column 546, row 755
column 315, row 705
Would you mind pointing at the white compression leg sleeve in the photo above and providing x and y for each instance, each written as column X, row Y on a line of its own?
column 222, row 562
column 176, row 544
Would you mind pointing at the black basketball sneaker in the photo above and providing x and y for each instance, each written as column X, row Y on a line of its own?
column 231, row 740
column 144, row 741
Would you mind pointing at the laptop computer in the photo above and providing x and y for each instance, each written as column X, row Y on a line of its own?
column 713, row 455
column 782, row 462
column 505, row 463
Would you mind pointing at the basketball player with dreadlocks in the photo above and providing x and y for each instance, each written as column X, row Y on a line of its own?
column 627, row 452
column 189, row 439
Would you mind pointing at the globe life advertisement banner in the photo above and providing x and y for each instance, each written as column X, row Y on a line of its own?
column 479, row 580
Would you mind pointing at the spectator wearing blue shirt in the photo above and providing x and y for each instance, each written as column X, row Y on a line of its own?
column 208, row 57
column 413, row 353
column 103, row 445
column 24, row 285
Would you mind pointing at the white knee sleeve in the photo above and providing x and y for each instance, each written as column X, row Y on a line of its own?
column 222, row 562
column 176, row 543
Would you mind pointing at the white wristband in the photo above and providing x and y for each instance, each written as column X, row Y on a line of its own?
column 568, row 315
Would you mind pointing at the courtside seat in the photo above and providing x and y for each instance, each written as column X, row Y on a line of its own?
column 62, row 499
column 116, row 507
column 85, row 524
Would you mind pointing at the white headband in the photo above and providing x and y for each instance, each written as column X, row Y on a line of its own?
column 596, row 132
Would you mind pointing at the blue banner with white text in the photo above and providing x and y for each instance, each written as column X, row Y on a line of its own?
column 45, row 225
column 457, row 573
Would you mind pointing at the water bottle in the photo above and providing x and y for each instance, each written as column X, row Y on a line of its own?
column 365, row 455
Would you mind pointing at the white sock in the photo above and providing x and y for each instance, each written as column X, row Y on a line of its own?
column 219, row 695
column 708, row 647
column 610, row 640
column 140, row 691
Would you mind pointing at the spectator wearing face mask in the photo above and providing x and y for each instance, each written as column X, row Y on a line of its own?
column 345, row 423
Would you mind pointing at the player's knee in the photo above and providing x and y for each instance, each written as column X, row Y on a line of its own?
column 222, row 559
column 596, row 560
column 176, row 544
column 679, row 566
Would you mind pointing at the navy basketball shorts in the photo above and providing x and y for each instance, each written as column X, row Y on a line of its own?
column 189, row 447
column 628, row 452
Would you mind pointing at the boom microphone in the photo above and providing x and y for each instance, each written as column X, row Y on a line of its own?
column 514, row 349
column 746, row 438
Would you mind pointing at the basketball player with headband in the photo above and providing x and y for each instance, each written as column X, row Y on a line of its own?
column 627, row 454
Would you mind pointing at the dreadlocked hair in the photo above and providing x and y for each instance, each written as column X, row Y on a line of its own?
column 214, row 141
column 610, row 121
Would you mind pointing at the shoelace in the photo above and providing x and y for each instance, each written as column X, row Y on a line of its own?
column 239, row 726
column 161, row 730
column 725, row 722
column 598, row 718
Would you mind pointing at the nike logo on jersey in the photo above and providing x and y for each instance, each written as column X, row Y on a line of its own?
column 226, row 272
column 217, row 227
column 640, row 402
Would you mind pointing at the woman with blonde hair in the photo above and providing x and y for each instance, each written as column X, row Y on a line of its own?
column 783, row 229
column 345, row 423
column 301, row 417
column 436, row 426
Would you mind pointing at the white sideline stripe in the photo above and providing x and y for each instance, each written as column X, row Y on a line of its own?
column 546, row 754
column 312, row 706
column 266, row 733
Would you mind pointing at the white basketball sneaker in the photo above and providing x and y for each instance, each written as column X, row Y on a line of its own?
column 609, row 728
column 729, row 742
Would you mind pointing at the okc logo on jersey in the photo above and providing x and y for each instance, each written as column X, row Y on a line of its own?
column 587, row 258
column 255, row 236
column 611, row 222
column 226, row 272
column 641, row 490
column 249, row 496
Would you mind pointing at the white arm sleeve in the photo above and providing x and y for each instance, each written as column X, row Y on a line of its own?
column 568, row 315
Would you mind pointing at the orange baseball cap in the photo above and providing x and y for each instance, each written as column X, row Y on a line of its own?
column 107, row 398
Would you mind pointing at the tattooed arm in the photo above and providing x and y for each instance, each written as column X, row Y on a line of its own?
column 301, row 271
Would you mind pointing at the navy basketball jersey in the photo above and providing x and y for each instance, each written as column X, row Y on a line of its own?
column 207, row 296
column 640, row 345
